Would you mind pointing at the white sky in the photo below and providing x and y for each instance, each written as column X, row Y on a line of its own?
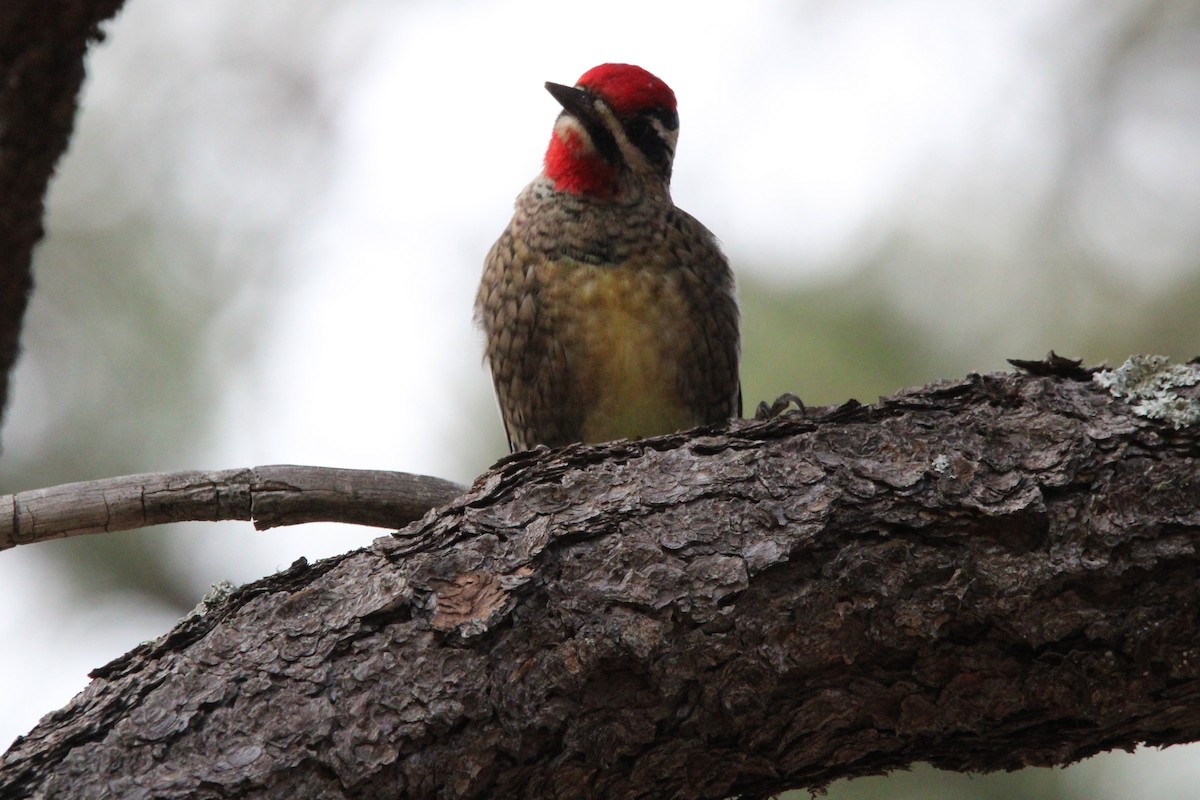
column 803, row 126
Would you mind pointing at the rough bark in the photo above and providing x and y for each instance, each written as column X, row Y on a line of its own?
column 42, row 47
column 983, row 574
column 272, row 495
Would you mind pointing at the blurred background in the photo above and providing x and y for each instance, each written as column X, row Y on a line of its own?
column 264, row 242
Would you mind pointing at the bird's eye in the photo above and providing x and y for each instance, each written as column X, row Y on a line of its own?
column 668, row 118
column 647, row 137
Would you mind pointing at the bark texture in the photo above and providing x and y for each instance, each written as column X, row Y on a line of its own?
column 42, row 47
column 982, row 574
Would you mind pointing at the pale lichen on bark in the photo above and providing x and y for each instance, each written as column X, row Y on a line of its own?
column 1153, row 385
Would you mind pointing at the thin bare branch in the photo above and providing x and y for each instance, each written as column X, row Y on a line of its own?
column 278, row 494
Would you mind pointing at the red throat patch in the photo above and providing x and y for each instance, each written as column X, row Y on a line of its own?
column 574, row 167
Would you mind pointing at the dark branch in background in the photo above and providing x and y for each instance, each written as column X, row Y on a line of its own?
column 982, row 574
column 280, row 494
column 42, row 47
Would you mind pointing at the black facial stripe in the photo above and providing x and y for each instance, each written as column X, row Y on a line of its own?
column 645, row 137
column 602, row 139
column 669, row 118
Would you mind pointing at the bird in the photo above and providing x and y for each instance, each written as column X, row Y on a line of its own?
column 607, row 312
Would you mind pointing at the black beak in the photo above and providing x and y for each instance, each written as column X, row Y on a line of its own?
column 575, row 102
column 581, row 104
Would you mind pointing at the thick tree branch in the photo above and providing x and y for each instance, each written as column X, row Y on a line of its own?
column 42, row 47
column 279, row 494
column 980, row 574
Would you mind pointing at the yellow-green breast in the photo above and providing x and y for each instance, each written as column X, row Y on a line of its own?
column 622, row 329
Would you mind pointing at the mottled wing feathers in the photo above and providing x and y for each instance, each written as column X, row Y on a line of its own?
column 526, row 361
column 708, row 375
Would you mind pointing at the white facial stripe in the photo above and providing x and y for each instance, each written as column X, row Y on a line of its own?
column 669, row 136
column 633, row 156
column 568, row 125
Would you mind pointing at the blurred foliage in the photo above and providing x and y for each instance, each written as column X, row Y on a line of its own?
column 154, row 282
column 116, row 364
column 829, row 344
column 926, row 783
column 844, row 339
